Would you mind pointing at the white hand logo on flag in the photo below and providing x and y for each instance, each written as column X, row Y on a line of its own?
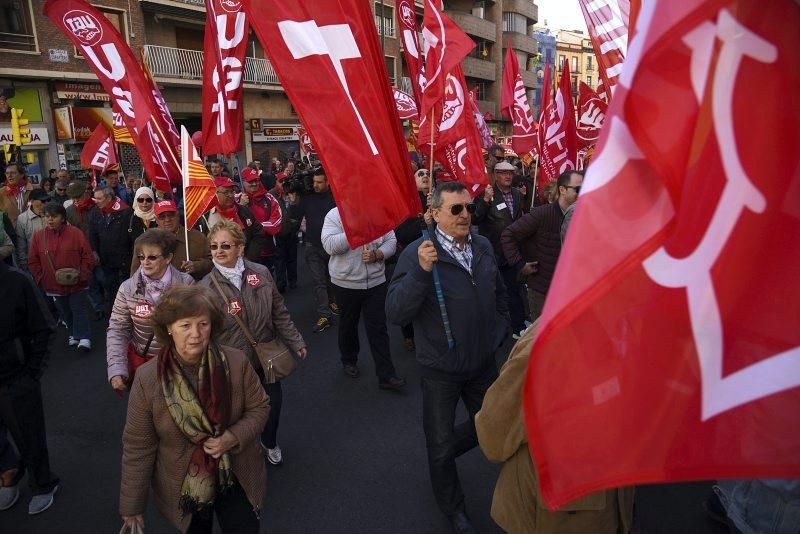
column 336, row 41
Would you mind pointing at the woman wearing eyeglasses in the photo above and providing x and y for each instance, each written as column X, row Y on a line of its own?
column 143, row 217
column 246, row 289
column 130, row 340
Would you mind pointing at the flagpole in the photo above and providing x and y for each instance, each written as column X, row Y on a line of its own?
column 184, row 172
column 535, row 175
column 235, row 157
column 430, row 180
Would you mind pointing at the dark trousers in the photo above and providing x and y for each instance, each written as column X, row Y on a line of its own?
column 96, row 290
column 234, row 513
column 536, row 303
column 110, row 281
column 317, row 261
column 372, row 302
column 446, row 441
column 268, row 262
column 408, row 331
column 269, row 436
column 22, row 413
column 286, row 262
column 513, row 289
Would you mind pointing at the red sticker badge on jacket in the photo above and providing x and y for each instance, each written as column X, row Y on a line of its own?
column 234, row 308
column 253, row 279
column 143, row 310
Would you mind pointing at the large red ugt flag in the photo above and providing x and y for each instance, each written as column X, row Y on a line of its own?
column 670, row 341
column 329, row 61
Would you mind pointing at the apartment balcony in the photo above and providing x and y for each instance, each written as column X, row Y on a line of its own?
column 175, row 7
column 529, row 79
column 167, row 62
column 523, row 7
column 479, row 68
column 522, row 42
column 475, row 26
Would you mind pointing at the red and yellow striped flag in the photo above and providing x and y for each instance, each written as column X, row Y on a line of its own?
column 198, row 188
column 120, row 131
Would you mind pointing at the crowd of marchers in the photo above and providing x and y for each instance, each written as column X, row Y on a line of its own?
column 198, row 330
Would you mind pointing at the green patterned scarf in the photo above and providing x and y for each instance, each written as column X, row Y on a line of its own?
column 200, row 415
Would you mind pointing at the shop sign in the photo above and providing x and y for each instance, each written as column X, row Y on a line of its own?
column 276, row 133
column 39, row 136
column 85, row 120
column 62, row 117
column 58, row 55
column 81, row 91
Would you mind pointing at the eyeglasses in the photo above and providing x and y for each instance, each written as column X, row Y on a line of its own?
column 152, row 257
column 577, row 188
column 456, row 209
column 223, row 246
column 144, row 200
column 60, row 189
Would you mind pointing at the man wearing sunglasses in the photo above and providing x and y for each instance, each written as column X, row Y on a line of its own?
column 59, row 193
column 495, row 210
column 477, row 309
column 533, row 243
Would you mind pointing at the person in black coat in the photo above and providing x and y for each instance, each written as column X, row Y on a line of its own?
column 110, row 241
column 24, row 339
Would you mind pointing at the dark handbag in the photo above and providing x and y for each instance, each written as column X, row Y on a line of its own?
column 276, row 359
column 67, row 276
column 136, row 360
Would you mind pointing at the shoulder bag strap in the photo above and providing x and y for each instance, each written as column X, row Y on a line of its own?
column 245, row 330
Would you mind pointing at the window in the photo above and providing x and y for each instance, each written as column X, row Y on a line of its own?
column 562, row 60
column 390, row 66
column 574, row 84
column 16, row 26
column 385, row 13
column 514, row 22
column 574, row 66
column 589, row 63
column 482, row 50
column 481, row 88
column 589, row 81
column 117, row 19
column 188, row 38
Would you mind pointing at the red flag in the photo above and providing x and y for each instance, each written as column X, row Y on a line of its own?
column 328, row 51
column 198, row 188
column 557, row 131
column 407, row 18
column 514, row 105
column 601, row 91
column 225, row 49
column 669, row 346
column 116, row 68
column 607, row 21
column 305, row 141
column 591, row 114
column 480, row 120
column 545, row 102
column 406, row 106
column 98, row 152
column 445, row 46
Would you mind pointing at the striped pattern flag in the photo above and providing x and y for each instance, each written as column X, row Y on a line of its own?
column 120, row 131
column 198, row 188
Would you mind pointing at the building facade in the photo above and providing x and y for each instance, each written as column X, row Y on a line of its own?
column 575, row 48
column 547, row 56
column 41, row 72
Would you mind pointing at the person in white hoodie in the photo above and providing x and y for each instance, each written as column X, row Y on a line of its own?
column 359, row 277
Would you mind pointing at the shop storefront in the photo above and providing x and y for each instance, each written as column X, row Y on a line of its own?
column 35, row 153
column 280, row 141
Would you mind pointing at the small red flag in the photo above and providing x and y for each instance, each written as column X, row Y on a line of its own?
column 557, row 131
column 591, row 114
column 98, row 153
column 514, row 105
column 669, row 346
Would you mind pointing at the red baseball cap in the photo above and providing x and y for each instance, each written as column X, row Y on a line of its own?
column 224, row 181
column 249, row 175
column 165, row 206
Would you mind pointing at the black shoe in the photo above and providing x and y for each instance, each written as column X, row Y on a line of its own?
column 461, row 524
column 323, row 323
column 395, row 383
column 334, row 308
column 351, row 370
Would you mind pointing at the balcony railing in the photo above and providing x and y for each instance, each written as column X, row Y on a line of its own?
column 185, row 64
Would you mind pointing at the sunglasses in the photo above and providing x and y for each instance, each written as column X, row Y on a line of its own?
column 144, row 200
column 577, row 188
column 223, row 246
column 456, row 209
column 60, row 190
column 152, row 257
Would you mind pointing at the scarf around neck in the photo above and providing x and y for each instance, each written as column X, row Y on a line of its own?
column 146, row 216
column 230, row 213
column 199, row 414
column 14, row 190
column 233, row 274
column 154, row 288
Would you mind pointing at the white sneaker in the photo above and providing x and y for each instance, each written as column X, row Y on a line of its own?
column 85, row 345
column 72, row 341
column 8, row 496
column 274, row 456
column 40, row 503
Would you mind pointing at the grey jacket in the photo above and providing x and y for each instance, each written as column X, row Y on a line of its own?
column 130, row 321
column 262, row 310
column 27, row 224
column 346, row 266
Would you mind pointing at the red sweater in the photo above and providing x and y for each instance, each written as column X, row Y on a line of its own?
column 67, row 247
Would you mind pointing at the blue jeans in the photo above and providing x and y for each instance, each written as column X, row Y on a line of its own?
column 96, row 289
column 762, row 506
column 74, row 310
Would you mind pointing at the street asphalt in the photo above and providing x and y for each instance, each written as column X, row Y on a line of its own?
column 354, row 455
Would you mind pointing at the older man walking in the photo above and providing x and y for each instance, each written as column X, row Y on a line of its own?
column 478, row 316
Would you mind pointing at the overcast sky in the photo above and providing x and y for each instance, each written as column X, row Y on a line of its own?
column 561, row 14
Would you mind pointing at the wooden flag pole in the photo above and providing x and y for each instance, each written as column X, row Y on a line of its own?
column 184, row 178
